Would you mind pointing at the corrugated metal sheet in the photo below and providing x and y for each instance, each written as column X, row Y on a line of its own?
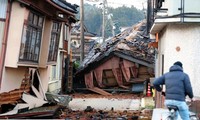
column 3, row 7
column 2, row 24
column 138, row 87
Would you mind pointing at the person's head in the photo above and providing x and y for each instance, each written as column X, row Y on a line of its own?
column 179, row 64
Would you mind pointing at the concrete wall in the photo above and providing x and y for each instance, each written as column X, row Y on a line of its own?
column 187, row 38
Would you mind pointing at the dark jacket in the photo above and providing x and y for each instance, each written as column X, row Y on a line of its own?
column 177, row 84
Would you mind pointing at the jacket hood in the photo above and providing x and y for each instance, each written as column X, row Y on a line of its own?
column 175, row 68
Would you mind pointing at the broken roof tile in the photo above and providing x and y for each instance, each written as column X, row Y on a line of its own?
column 132, row 42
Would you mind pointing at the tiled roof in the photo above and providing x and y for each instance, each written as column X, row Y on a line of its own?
column 77, row 28
column 131, row 44
column 66, row 5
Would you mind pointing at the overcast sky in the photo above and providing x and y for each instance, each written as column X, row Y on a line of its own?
column 115, row 3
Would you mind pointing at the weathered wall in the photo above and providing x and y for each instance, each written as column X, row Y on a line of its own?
column 46, row 36
column 187, row 38
column 14, row 34
column 12, row 78
column 44, row 76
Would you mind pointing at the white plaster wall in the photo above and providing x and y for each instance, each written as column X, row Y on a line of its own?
column 187, row 37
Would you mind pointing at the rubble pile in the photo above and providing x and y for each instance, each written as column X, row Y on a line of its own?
column 91, row 114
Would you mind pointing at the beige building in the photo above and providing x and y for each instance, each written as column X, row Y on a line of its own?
column 30, row 34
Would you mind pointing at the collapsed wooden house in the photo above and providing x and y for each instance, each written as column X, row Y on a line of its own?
column 124, row 61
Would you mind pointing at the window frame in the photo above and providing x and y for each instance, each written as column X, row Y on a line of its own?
column 31, row 38
column 54, row 41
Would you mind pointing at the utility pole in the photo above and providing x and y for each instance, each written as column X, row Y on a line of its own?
column 113, row 28
column 82, row 31
column 104, row 14
column 112, row 24
column 103, row 23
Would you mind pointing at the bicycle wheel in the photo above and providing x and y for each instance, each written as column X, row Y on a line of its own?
column 194, row 117
column 169, row 118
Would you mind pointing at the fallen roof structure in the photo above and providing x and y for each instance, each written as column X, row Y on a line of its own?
column 122, row 60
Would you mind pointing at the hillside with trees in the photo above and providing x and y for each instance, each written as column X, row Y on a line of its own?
column 116, row 17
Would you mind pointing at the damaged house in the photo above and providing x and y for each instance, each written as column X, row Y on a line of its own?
column 123, row 62
column 30, row 34
column 76, row 41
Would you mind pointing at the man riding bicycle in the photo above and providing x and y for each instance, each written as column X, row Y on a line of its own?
column 178, row 86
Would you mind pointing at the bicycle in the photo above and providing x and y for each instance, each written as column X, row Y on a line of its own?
column 173, row 109
column 172, row 113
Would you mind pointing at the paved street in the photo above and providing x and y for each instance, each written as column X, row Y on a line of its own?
column 105, row 104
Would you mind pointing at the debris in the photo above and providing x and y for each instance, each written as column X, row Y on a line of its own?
column 58, row 99
column 120, row 61
column 40, row 112
column 88, row 109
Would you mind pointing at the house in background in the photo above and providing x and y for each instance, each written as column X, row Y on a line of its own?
column 76, row 41
column 30, row 34
column 176, row 26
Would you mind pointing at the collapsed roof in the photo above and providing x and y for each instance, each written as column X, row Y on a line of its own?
column 131, row 44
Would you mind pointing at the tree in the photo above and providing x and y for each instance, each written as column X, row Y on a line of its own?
column 121, row 17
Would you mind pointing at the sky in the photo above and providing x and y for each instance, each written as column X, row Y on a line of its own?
column 115, row 3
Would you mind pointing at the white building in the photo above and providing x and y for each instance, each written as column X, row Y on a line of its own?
column 176, row 28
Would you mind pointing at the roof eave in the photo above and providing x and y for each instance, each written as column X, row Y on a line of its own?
column 104, row 58
column 60, row 8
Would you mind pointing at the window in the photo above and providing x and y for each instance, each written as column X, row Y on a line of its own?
column 53, row 72
column 57, row 69
column 66, row 30
column 65, row 36
column 31, row 38
column 54, row 43
column 60, row 65
column 1, row 33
